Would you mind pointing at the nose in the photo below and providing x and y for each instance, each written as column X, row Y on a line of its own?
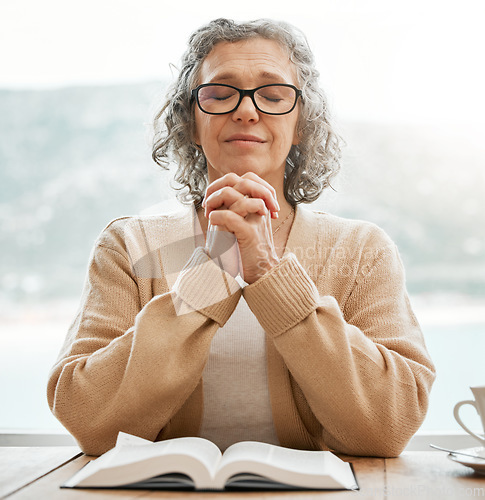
column 246, row 111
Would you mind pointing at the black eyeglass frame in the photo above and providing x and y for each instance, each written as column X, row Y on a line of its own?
column 242, row 94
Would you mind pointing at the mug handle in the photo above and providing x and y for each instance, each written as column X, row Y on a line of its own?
column 456, row 413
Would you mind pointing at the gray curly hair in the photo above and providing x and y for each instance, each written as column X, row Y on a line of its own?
column 310, row 165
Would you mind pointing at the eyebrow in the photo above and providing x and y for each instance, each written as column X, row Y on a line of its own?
column 266, row 75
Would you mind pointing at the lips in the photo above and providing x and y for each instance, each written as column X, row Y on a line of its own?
column 245, row 138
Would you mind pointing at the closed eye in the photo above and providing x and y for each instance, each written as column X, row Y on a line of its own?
column 222, row 97
column 272, row 99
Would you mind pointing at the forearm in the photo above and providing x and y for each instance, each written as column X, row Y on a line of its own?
column 369, row 391
column 136, row 383
column 368, row 398
column 131, row 369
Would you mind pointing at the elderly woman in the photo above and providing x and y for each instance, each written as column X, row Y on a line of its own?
column 299, row 332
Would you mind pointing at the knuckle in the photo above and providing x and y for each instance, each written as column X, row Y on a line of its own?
column 232, row 177
column 245, row 183
column 249, row 175
column 261, row 205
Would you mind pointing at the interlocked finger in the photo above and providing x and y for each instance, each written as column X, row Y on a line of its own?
column 229, row 198
column 220, row 192
column 247, row 205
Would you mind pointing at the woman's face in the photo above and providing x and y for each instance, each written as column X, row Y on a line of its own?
column 247, row 140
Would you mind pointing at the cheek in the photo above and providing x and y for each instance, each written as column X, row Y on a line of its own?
column 286, row 133
column 206, row 129
column 289, row 136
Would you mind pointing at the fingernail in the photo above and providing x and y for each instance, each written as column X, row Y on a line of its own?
column 275, row 215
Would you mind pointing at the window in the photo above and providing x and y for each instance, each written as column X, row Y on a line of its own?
column 405, row 86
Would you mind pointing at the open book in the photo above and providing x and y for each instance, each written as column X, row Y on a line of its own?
column 196, row 463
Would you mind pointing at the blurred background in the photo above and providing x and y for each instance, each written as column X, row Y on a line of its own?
column 80, row 83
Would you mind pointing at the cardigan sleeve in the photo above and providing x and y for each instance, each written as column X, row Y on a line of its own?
column 362, row 366
column 124, row 367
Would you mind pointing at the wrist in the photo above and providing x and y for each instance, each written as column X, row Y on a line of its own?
column 264, row 267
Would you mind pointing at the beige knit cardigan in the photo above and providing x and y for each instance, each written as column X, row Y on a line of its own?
column 348, row 369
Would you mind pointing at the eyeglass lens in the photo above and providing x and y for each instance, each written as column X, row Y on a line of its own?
column 276, row 99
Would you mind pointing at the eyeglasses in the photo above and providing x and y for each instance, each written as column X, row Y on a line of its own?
column 219, row 99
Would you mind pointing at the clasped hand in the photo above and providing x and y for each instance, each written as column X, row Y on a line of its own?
column 239, row 235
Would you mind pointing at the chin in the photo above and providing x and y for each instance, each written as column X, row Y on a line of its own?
column 241, row 166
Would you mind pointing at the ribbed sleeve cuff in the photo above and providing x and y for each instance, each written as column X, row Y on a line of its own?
column 283, row 297
column 203, row 286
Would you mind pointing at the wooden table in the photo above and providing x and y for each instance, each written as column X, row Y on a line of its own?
column 36, row 473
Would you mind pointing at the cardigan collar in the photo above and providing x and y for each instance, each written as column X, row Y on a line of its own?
column 305, row 238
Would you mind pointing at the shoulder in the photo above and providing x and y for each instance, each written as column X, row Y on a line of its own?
column 340, row 230
column 151, row 230
column 359, row 245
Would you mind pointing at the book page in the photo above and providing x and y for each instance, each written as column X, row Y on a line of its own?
column 201, row 449
column 125, row 439
column 297, row 460
column 90, row 468
column 196, row 457
column 307, row 469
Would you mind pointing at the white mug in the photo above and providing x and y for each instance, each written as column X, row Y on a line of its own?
column 479, row 405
